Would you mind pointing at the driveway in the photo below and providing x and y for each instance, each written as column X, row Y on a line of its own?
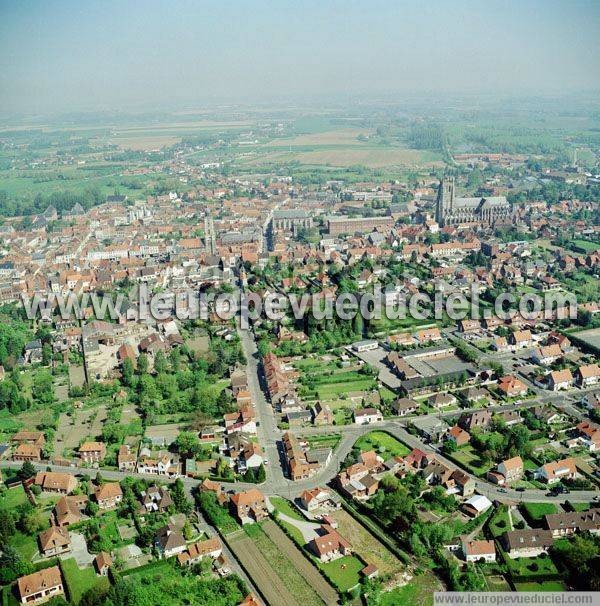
column 79, row 550
column 308, row 529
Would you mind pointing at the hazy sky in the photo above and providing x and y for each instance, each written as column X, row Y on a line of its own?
column 71, row 55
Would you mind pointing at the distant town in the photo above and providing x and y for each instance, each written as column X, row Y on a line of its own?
column 308, row 459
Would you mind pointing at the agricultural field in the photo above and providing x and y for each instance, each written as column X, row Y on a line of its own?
column 270, row 564
column 338, row 148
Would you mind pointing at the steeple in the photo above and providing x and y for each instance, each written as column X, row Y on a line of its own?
column 445, row 199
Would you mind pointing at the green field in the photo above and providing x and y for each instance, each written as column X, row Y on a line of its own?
column 499, row 523
column 12, row 497
column 383, row 443
column 79, row 581
column 536, row 511
column 585, row 246
column 542, row 586
column 468, row 458
column 344, row 573
column 541, row 567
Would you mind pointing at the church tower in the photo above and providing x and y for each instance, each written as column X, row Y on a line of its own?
column 445, row 200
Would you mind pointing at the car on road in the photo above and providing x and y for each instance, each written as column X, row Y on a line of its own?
column 520, row 489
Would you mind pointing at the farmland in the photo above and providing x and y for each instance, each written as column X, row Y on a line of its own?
column 272, row 561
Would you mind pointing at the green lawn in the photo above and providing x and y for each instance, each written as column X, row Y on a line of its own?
column 585, row 246
column 385, row 444
column 285, row 507
column 13, row 497
column 543, row 586
column 79, row 581
column 344, row 573
column 579, row 506
column 499, row 523
column 25, row 544
column 532, row 567
column 536, row 511
column 468, row 458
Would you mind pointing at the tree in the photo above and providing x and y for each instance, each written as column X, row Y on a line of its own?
column 180, row 500
column 142, row 364
column 160, row 363
column 127, row 372
column 27, row 471
column 261, row 474
column 7, row 526
column 187, row 444
column 12, row 565
column 42, row 389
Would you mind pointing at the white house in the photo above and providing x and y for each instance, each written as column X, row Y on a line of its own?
column 367, row 415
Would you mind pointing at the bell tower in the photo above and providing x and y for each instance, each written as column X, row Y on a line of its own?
column 445, row 199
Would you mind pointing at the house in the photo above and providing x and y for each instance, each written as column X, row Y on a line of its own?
column 108, row 495
column 458, row 435
column 69, row 509
column 249, row 506
column 365, row 416
column 165, row 464
column 367, row 345
column 322, row 414
column 556, row 471
column 441, row 400
column 157, row 498
column 508, row 471
column 126, row 460
column 589, row 435
column 520, row 339
column 27, row 452
column 431, row 428
column 591, row 400
column 169, row 541
column 476, row 505
column 512, row 387
column 319, row 497
column 211, row 548
column 547, row 415
column 480, row 419
column 511, row 417
column 251, row 457
column 405, row 406
column 29, row 437
column 92, row 452
column 567, row 524
column 329, row 545
column 40, row 586
column 560, row 379
column 54, row 541
column 475, row 551
column 526, row 543
column 587, row 375
column 426, row 335
column 298, row 418
column 55, row 481
column 102, row 563
column 546, row 355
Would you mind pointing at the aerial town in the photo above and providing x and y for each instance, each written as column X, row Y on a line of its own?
column 300, row 354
